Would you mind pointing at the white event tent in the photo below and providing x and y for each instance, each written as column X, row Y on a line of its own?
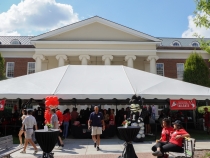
column 95, row 82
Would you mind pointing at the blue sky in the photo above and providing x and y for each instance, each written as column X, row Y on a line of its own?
column 163, row 18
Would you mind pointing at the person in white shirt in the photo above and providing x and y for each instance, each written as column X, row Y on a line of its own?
column 22, row 129
column 29, row 122
column 54, row 122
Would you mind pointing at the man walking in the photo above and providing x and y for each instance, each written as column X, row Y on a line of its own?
column 29, row 122
column 97, row 122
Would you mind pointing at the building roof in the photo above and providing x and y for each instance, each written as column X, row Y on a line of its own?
column 185, row 42
column 93, row 20
column 166, row 41
column 24, row 40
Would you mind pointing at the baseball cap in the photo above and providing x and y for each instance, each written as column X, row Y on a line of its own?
column 177, row 122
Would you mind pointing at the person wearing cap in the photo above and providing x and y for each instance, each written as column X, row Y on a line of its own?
column 207, row 119
column 165, row 135
column 175, row 141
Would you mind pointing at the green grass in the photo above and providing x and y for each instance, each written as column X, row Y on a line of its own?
column 16, row 140
column 199, row 134
column 207, row 155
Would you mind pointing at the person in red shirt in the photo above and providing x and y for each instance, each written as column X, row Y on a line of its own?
column 176, row 139
column 207, row 119
column 165, row 135
column 66, row 119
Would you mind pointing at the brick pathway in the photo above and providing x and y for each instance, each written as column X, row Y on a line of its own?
column 140, row 155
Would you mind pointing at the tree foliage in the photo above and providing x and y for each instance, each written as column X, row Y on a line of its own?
column 202, row 13
column 2, row 68
column 196, row 70
column 202, row 19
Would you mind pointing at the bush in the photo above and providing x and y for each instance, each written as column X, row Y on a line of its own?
column 201, row 109
column 2, row 68
column 196, row 71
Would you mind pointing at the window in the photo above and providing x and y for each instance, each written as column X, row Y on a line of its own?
column 10, row 69
column 176, row 44
column 160, row 69
column 180, row 70
column 195, row 44
column 31, row 68
column 15, row 42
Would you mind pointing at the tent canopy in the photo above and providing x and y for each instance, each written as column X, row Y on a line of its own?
column 95, row 82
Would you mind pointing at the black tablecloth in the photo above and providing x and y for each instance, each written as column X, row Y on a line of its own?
column 47, row 139
column 128, row 134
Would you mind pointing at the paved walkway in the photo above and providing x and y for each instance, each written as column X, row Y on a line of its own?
column 110, row 148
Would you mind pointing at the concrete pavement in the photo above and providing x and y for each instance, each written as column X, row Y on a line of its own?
column 83, row 148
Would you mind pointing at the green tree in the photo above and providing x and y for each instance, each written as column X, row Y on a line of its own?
column 196, row 70
column 202, row 19
column 202, row 13
column 2, row 68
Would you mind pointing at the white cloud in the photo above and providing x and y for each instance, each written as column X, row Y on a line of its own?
column 192, row 29
column 13, row 33
column 36, row 15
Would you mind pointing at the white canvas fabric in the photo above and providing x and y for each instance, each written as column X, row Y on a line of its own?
column 95, row 82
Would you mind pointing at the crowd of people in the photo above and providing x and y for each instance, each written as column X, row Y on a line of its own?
column 97, row 120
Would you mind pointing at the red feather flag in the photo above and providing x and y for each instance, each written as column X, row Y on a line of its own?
column 52, row 102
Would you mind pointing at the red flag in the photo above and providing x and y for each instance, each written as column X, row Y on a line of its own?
column 2, row 103
column 183, row 104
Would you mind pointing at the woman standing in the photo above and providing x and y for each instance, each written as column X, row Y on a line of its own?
column 66, row 119
column 106, row 117
column 22, row 130
column 165, row 135
column 112, row 118
column 175, row 142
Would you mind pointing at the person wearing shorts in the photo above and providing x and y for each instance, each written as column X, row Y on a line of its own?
column 97, row 122
column 22, row 129
column 29, row 122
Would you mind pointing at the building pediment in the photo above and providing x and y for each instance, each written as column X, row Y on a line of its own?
column 95, row 29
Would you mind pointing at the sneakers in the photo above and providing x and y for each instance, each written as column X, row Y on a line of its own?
column 95, row 145
column 157, row 153
column 20, row 146
column 60, row 148
column 98, row 148
column 35, row 151
column 23, row 152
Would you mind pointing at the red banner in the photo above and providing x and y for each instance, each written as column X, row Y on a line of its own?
column 2, row 103
column 183, row 104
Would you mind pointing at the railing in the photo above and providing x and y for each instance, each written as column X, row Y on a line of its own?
column 9, row 129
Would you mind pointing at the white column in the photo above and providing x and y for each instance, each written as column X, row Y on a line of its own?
column 107, row 59
column 61, row 60
column 130, row 59
column 38, row 58
column 84, row 59
column 153, row 60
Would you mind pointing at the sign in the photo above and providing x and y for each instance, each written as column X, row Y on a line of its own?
column 2, row 103
column 183, row 104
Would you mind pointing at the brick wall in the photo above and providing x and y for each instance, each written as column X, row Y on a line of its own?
column 20, row 65
column 170, row 69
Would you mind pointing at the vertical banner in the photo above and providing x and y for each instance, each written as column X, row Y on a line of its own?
column 2, row 103
column 183, row 104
